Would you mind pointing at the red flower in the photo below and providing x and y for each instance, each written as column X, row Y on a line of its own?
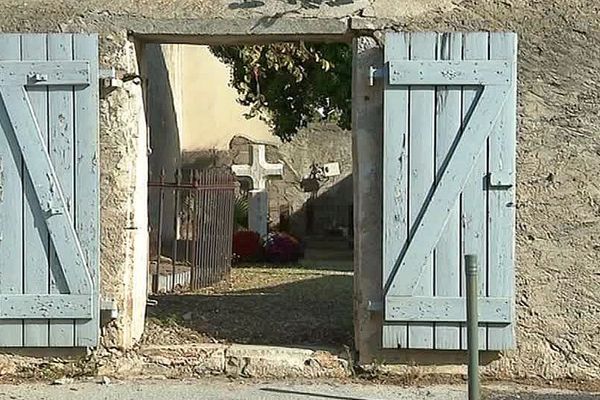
column 246, row 245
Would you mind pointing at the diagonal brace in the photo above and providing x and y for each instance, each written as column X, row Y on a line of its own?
column 431, row 221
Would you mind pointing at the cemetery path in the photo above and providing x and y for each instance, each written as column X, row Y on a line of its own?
column 270, row 305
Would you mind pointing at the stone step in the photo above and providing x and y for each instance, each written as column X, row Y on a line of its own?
column 233, row 360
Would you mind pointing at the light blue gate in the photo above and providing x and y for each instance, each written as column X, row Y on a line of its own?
column 49, row 205
column 449, row 187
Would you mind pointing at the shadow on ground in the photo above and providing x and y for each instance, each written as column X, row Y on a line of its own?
column 274, row 306
column 543, row 396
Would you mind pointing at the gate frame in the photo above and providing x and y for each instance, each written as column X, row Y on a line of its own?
column 367, row 150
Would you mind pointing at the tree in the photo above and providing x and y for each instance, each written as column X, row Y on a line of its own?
column 289, row 85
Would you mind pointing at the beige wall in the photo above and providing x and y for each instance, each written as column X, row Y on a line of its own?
column 211, row 114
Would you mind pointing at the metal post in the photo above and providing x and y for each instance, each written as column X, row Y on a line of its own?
column 472, row 325
column 161, row 201
column 175, row 228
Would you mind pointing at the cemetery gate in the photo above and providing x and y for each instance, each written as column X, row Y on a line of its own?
column 191, row 218
column 49, row 205
column 449, row 187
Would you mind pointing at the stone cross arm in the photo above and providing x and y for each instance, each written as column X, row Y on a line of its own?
column 259, row 169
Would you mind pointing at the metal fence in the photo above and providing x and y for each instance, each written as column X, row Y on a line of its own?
column 191, row 229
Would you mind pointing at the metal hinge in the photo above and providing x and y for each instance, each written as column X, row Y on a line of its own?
column 113, row 78
column 109, row 309
column 374, row 306
column 501, row 180
column 109, row 78
column 375, row 73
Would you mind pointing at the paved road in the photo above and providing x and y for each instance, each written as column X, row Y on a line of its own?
column 223, row 390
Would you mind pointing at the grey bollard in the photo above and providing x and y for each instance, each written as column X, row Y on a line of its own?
column 472, row 326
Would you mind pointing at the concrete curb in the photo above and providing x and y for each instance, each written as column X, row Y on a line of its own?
column 234, row 360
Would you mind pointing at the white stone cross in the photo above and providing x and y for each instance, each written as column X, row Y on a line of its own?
column 259, row 172
column 259, row 169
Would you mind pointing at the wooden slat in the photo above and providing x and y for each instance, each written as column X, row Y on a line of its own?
column 62, row 153
column 56, row 306
column 450, row 73
column 447, row 309
column 451, row 183
column 503, row 46
column 87, row 210
column 447, row 253
column 421, row 173
column 44, row 73
column 395, row 178
column 474, row 214
column 11, row 208
column 36, row 234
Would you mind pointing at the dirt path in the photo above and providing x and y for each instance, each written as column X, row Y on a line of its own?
column 291, row 306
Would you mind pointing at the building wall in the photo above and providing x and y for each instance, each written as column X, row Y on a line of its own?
column 205, row 104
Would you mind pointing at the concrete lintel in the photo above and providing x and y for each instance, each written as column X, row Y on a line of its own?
column 212, row 31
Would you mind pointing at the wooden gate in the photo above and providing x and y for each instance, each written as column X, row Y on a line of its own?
column 449, row 176
column 49, row 207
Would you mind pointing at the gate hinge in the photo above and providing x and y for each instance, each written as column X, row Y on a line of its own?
column 113, row 78
column 109, row 309
column 501, row 180
column 375, row 73
column 374, row 306
column 109, row 78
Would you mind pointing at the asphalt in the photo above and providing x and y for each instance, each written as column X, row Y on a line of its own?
column 225, row 390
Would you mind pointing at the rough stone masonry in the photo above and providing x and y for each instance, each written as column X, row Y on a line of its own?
column 558, row 244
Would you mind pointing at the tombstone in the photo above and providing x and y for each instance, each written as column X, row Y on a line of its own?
column 258, row 171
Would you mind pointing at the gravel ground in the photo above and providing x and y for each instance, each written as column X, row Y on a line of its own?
column 273, row 305
column 224, row 390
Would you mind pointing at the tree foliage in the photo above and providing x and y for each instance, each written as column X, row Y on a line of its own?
column 291, row 84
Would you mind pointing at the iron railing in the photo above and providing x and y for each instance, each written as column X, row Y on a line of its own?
column 191, row 229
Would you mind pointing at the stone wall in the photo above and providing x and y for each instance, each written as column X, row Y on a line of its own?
column 319, row 143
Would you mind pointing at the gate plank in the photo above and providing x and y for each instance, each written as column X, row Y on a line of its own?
column 421, row 173
column 42, row 73
column 503, row 46
column 62, row 153
column 57, row 306
column 447, row 253
column 87, row 209
column 448, row 309
column 36, row 279
column 11, row 207
column 395, row 178
column 450, row 73
column 474, row 213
